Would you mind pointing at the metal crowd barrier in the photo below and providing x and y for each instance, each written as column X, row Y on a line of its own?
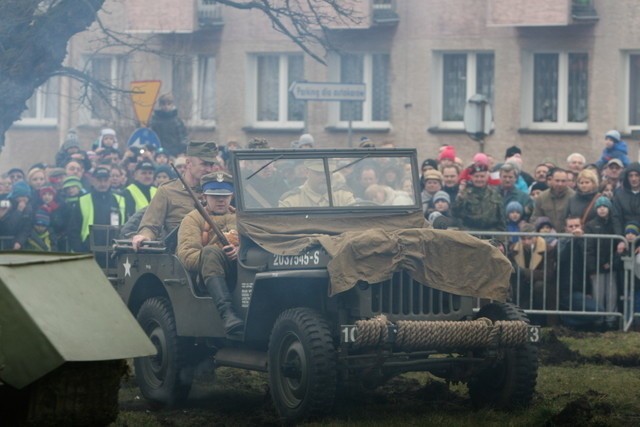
column 562, row 286
column 578, row 280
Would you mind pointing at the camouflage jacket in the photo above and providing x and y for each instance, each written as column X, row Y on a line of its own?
column 480, row 209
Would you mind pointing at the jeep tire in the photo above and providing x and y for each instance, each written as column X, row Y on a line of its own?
column 302, row 365
column 166, row 377
column 510, row 381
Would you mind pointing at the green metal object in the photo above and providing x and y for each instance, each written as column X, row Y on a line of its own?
column 57, row 308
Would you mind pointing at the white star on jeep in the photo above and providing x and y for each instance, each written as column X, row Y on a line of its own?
column 127, row 268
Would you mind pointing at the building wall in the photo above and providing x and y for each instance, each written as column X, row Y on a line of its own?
column 425, row 28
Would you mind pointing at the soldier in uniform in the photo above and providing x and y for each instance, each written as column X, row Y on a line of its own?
column 199, row 248
column 479, row 207
column 172, row 201
column 314, row 190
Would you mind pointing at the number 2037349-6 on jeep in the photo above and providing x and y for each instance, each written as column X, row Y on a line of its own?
column 335, row 283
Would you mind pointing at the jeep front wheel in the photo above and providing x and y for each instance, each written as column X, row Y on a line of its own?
column 163, row 378
column 510, row 381
column 302, row 365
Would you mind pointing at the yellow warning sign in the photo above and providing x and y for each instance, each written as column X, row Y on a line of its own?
column 143, row 95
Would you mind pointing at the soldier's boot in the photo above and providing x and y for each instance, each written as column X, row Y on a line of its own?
column 217, row 287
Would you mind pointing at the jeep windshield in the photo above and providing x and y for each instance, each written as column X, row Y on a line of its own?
column 326, row 180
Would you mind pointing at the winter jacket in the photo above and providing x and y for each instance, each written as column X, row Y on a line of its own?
column 479, row 209
column 579, row 202
column 626, row 203
column 552, row 206
column 171, row 131
column 619, row 150
column 600, row 251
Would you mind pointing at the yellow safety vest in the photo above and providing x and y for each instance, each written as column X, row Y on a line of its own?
column 86, row 209
column 139, row 198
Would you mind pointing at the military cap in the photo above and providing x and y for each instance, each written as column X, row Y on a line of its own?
column 204, row 150
column 478, row 167
column 258, row 144
column 217, row 184
column 145, row 165
column 55, row 172
column 102, row 173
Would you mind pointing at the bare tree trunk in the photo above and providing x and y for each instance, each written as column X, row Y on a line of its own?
column 33, row 44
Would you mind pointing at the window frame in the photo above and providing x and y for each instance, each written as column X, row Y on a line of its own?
column 193, row 117
column 471, row 85
column 335, row 62
column 283, row 93
column 120, row 77
column 41, row 94
column 626, row 107
column 527, row 103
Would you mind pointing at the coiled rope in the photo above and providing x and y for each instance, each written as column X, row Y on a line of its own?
column 432, row 335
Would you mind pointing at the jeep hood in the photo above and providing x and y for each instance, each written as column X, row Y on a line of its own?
column 372, row 248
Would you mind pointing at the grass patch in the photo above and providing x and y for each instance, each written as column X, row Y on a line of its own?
column 574, row 393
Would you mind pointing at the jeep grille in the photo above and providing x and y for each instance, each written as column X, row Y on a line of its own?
column 403, row 298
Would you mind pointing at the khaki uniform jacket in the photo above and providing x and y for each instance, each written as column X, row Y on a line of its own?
column 166, row 209
column 190, row 236
column 553, row 207
column 304, row 196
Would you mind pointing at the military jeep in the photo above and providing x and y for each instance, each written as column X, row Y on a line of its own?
column 334, row 290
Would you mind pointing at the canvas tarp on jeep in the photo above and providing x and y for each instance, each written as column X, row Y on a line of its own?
column 384, row 244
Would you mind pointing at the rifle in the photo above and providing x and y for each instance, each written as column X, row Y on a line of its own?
column 221, row 237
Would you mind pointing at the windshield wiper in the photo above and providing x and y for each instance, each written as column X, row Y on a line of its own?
column 266, row 164
column 350, row 164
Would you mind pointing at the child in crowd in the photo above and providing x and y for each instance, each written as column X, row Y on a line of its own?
column 51, row 206
column 632, row 234
column 514, row 212
column 614, row 148
column 600, row 259
column 106, row 139
column 544, row 226
column 39, row 239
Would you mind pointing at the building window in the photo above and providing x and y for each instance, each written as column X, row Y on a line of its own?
column 460, row 76
column 109, row 72
column 270, row 102
column 193, row 88
column 42, row 107
column 634, row 91
column 372, row 69
column 557, row 97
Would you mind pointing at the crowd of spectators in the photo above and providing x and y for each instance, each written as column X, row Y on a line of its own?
column 40, row 209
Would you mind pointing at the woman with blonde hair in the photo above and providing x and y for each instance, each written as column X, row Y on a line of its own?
column 582, row 203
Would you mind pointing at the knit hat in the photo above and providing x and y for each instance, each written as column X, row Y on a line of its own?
column 165, row 169
column 433, row 174
column 365, row 142
column 20, row 189
column 306, row 139
column 633, row 228
column 481, row 158
column 71, row 181
column 15, row 170
column 539, row 186
column 433, row 215
column 603, row 201
column 441, row 195
column 527, row 228
column 448, row 152
column 47, row 189
column 514, row 149
column 41, row 218
column 542, row 221
column 613, row 134
column 514, row 206
column 429, row 162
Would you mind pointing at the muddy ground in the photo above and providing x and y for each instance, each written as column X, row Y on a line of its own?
column 235, row 397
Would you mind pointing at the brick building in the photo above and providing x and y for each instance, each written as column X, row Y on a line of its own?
column 558, row 74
